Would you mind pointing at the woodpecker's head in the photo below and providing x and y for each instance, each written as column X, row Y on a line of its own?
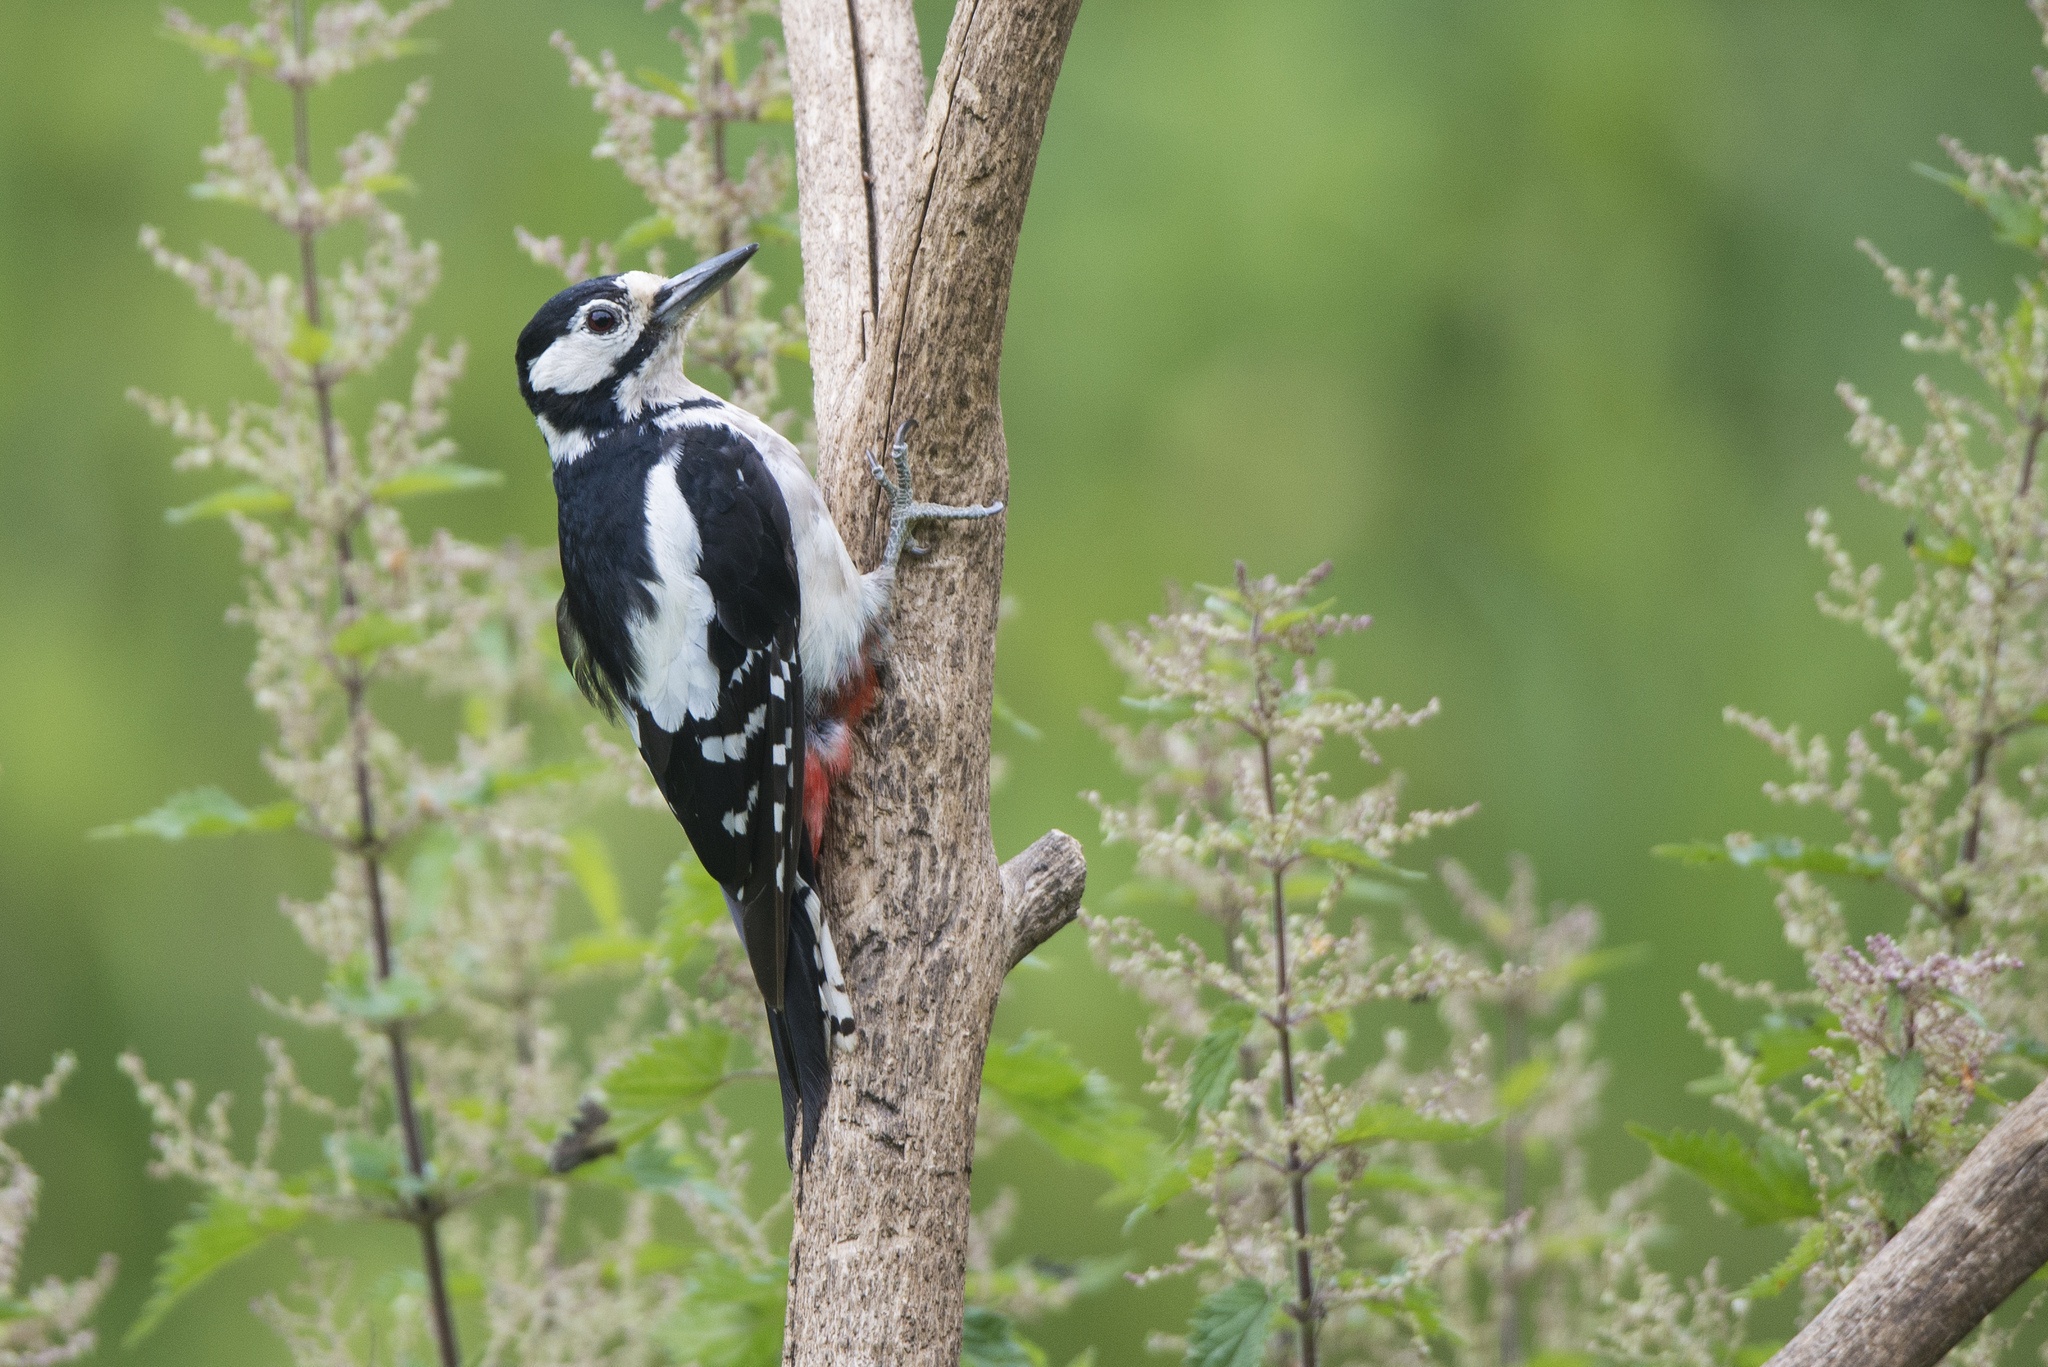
column 607, row 350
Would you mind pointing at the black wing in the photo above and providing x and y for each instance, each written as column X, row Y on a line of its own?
column 735, row 779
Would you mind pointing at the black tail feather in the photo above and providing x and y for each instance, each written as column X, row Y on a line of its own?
column 803, row 1049
column 801, row 1040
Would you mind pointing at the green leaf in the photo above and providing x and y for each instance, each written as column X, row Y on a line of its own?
column 1391, row 1177
column 1783, row 1046
column 370, row 633
column 1598, row 963
column 989, row 1339
column 691, row 905
column 1007, row 715
column 666, row 84
column 1757, row 1354
column 309, row 344
column 372, row 1162
column 1338, row 1023
column 731, row 1315
column 1780, row 853
column 202, row 812
column 1380, row 1120
column 670, row 1076
column 1557, row 1358
column 1167, row 1181
column 380, row 1002
column 1521, row 1086
column 2015, row 221
column 1902, row 1078
column 218, row 48
column 218, row 1233
column 602, row 949
column 1075, row 1111
column 1170, row 707
column 644, row 233
column 778, row 110
column 1804, row 1254
column 386, row 183
column 1213, row 1065
column 253, row 499
column 1356, row 856
column 441, row 477
column 1762, row 1188
column 1229, row 1328
column 590, row 863
column 1903, row 1182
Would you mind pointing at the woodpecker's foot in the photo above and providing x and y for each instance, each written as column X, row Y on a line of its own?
column 904, row 509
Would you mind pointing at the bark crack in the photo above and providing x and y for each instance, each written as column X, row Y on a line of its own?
column 924, row 207
column 867, row 166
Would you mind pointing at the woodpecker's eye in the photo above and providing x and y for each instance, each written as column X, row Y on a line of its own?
column 601, row 320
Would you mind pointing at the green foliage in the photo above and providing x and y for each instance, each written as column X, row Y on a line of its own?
column 247, row 499
column 437, row 477
column 1764, row 1186
column 1779, row 854
column 1077, row 1112
column 371, row 634
column 1214, row 1063
column 1385, row 1120
column 1774, row 1283
column 218, row 1233
column 731, row 1316
column 1902, row 1079
column 1903, row 1183
column 667, row 1078
column 1229, row 1328
column 356, row 991
column 989, row 1339
column 203, row 812
column 590, row 863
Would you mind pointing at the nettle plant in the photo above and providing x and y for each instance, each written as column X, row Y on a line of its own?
column 447, row 941
column 44, row 1324
column 1371, row 1198
column 1867, row 1084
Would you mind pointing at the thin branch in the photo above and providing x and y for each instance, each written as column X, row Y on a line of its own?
column 1305, row 1309
column 1984, row 1233
column 425, row 1212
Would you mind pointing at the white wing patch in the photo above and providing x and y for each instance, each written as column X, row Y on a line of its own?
column 673, row 669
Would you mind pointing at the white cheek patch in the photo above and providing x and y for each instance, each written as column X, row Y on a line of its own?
column 580, row 361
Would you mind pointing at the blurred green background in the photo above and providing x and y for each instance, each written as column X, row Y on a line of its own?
column 1524, row 313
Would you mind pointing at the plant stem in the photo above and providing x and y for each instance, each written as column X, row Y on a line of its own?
column 1514, row 1181
column 1305, row 1309
column 426, row 1211
column 1990, row 734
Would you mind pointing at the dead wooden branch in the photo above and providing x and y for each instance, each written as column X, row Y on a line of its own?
column 1984, row 1233
column 910, row 213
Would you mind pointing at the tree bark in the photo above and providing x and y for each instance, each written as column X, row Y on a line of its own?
column 910, row 219
column 1984, row 1233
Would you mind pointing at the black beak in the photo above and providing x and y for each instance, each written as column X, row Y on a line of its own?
column 682, row 293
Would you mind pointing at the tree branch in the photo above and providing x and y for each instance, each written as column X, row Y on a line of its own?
column 860, row 102
column 1042, row 891
column 1984, row 1233
column 906, row 306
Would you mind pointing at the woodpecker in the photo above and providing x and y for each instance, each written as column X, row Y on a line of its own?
column 709, row 604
